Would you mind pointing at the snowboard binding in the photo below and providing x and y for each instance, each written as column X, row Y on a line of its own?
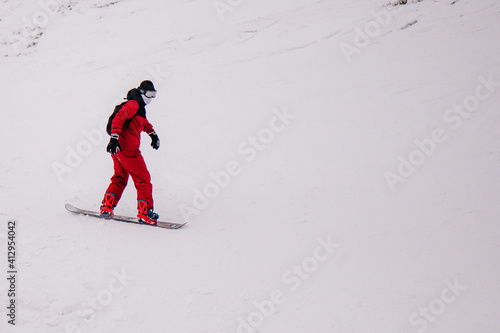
column 107, row 206
column 145, row 215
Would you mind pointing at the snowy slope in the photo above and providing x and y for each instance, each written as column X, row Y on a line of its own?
column 311, row 119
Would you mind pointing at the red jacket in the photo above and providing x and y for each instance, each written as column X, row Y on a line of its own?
column 130, row 136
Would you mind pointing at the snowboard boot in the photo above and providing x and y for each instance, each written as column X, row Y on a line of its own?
column 108, row 206
column 145, row 214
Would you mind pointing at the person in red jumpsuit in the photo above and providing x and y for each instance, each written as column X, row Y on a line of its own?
column 126, row 128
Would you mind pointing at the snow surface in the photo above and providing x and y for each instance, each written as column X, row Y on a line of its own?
column 420, row 256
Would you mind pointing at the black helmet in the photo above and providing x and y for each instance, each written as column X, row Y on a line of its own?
column 146, row 86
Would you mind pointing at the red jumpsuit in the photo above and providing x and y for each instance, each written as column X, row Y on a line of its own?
column 129, row 160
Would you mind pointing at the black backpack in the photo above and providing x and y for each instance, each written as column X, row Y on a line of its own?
column 110, row 120
column 133, row 94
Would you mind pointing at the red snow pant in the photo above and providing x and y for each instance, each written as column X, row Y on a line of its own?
column 135, row 167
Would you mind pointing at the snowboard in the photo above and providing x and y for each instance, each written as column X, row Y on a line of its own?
column 127, row 219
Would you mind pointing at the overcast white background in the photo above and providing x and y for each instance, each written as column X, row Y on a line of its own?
column 338, row 162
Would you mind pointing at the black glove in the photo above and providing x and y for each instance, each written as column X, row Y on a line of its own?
column 155, row 141
column 113, row 145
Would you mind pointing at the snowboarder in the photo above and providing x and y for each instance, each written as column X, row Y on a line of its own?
column 126, row 126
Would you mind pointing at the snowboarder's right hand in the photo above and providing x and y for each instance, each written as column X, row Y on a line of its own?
column 113, row 145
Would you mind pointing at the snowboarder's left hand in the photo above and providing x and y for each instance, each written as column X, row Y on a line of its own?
column 155, row 141
column 113, row 145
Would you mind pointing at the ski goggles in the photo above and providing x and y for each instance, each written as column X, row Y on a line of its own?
column 149, row 93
